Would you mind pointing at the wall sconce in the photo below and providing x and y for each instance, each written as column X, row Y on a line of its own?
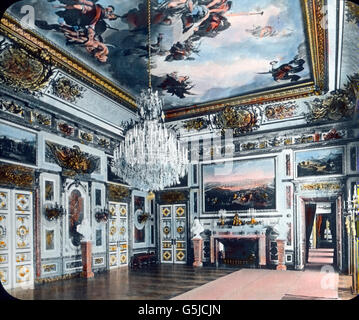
column 102, row 215
column 54, row 212
column 142, row 219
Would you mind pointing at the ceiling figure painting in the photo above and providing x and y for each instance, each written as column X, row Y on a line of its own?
column 202, row 50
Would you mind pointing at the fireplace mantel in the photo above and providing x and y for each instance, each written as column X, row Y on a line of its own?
column 223, row 234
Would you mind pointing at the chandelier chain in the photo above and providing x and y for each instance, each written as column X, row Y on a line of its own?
column 149, row 43
column 151, row 156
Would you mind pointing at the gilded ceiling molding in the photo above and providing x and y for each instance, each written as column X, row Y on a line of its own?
column 278, row 95
column 21, row 70
column 35, row 44
column 314, row 13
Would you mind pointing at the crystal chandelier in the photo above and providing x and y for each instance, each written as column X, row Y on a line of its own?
column 151, row 156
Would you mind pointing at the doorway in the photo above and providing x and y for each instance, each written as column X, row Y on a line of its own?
column 320, row 233
column 173, row 233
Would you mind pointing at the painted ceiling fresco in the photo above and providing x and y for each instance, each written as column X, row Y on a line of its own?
column 350, row 59
column 203, row 50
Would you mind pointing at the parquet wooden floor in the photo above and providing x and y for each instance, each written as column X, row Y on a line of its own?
column 160, row 282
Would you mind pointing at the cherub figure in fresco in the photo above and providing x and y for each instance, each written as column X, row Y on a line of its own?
column 89, row 40
column 215, row 19
column 183, row 51
column 83, row 22
column 285, row 71
column 86, row 37
column 177, row 85
column 93, row 12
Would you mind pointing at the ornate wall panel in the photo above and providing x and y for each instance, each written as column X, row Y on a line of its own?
column 118, row 234
column 51, row 229
column 98, row 203
column 77, row 204
column 173, row 233
column 16, row 238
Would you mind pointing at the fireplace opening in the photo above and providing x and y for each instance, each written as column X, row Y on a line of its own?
column 239, row 252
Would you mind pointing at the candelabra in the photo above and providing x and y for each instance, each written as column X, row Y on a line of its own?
column 351, row 221
column 102, row 215
column 54, row 212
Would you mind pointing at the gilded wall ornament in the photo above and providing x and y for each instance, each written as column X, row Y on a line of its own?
column 280, row 111
column 103, row 142
column 332, row 135
column 321, row 186
column 13, row 175
column 86, row 136
column 196, row 124
column 117, row 193
column 339, row 105
column 40, row 118
column 65, row 128
column 239, row 119
column 67, row 89
column 73, row 159
column 22, row 71
column 249, row 146
column 12, row 107
column 173, row 197
column 352, row 12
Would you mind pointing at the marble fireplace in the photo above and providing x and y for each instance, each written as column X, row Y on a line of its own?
column 239, row 246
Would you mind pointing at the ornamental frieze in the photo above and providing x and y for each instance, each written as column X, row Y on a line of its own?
column 321, row 186
column 280, row 111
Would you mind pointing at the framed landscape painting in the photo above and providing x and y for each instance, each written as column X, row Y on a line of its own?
column 319, row 162
column 239, row 185
column 17, row 145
